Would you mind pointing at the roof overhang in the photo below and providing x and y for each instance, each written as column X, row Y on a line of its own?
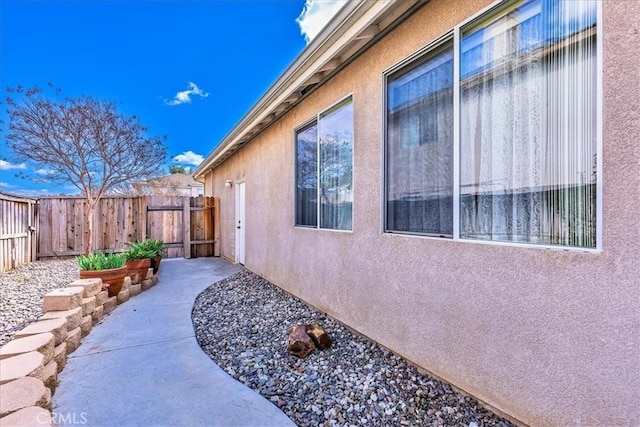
column 17, row 198
column 351, row 31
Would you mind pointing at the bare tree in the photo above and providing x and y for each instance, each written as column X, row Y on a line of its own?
column 83, row 141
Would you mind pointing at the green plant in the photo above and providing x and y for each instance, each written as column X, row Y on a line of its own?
column 148, row 248
column 101, row 261
column 138, row 250
column 157, row 246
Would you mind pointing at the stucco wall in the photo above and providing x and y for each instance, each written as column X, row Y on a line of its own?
column 547, row 336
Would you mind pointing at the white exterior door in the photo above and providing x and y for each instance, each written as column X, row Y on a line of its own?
column 240, row 222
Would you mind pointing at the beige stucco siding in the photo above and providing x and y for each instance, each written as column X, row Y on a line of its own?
column 547, row 336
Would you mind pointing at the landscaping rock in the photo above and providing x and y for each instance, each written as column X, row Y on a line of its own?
column 318, row 336
column 23, row 365
column 42, row 343
column 50, row 376
column 135, row 290
column 127, row 283
column 60, row 355
column 92, row 287
column 149, row 274
column 154, row 279
column 97, row 314
column 242, row 324
column 123, row 296
column 101, row 298
column 63, row 299
column 73, row 340
column 147, row 284
column 135, row 278
column 22, row 393
column 110, row 304
column 22, row 290
column 300, row 344
column 33, row 416
column 57, row 327
column 73, row 317
column 88, row 305
column 85, row 325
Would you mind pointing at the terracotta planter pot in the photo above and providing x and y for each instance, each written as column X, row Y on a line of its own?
column 138, row 267
column 113, row 277
column 155, row 263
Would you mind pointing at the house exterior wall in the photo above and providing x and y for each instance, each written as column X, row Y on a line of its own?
column 546, row 336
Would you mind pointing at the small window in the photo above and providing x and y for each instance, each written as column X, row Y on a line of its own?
column 307, row 176
column 324, row 170
column 420, row 146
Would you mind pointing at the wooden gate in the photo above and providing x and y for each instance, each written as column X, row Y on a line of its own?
column 188, row 225
column 18, row 226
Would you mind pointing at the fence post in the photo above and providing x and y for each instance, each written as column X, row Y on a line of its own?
column 186, row 225
column 216, row 226
column 35, row 232
column 141, row 232
column 29, row 232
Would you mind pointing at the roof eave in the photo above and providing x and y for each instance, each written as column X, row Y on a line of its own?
column 352, row 29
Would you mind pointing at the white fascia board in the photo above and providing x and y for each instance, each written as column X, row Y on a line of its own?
column 351, row 20
column 16, row 198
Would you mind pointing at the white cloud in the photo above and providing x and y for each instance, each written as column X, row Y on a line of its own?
column 45, row 172
column 189, row 158
column 4, row 165
column 184, row 97
column 315, row 15
column 6, row 184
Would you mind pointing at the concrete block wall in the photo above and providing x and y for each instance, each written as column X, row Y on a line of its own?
column 30, row 363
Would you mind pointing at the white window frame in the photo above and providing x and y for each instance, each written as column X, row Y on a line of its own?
column 455, row 34
column 316, row 120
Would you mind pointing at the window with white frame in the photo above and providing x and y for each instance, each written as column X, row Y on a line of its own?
column 324, row 169
column 523, row 125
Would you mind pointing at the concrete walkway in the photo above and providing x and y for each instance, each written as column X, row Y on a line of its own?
column 142, row 366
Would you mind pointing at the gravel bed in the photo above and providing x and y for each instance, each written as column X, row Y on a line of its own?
column 22, row 291
column 242, row 323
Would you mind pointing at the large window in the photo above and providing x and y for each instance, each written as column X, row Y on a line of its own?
column 324, row 169
column 525, row 130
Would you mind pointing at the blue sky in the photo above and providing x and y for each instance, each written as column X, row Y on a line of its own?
column 188, row 69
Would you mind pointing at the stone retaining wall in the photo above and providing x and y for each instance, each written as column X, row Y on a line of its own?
column 30, row 363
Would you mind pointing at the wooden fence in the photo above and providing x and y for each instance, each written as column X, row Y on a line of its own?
column 187, row 225
column 18, row 231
